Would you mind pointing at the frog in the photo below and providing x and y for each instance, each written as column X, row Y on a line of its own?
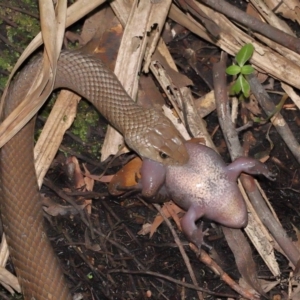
column 205, row 187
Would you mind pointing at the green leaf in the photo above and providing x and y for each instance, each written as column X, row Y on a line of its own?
column 233, row 70
column 256, row 119
column 246, row 70
column 245, row 86
column 242, row 97
column 236, row 87
column 244, row 54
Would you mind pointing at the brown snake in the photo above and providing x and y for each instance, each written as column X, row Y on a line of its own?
column 146, row 131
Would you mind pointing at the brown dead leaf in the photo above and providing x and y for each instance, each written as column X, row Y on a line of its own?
column 288, row 9
column 170, row 209
column 126, row 177
column 252, row 105
column 80, row 181
column 267, row 286
column 54, row 209
column 88, row 243
column 177, row 79
column 100, row 178
column 146, row 228
column 297, row 242
column 74, row 172
column 9, row 281
column 243, row 257
column 53, row 25
column 251, row 11
column 88, row 181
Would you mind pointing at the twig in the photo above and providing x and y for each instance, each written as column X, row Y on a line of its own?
column 95, row 271
column 11, row 45
column 123, row 226
column 256, row 199
column 206, row 259
column 8, row 21
column 83, row 218
column 187, row 285
column 23, row 11
column 124, row 263
column 254, row 24
column 82, row 157
column 181, row 249
column 277, row 120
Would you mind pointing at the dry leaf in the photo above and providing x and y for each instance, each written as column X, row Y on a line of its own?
column 126, row 177
column 74, row 172
column 80, row 181
column 145, row 229
column 54, row 209
column 170, row 209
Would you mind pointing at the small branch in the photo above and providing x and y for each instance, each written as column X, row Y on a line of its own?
column 187, row 285
column 11, row 45
column 8, row 21
column 222, row 104
column 60, row 193
column 181, row 249
column 23, row 11
column 206, row 259
column 254, row 24
column 253, row 193
column 277, row 120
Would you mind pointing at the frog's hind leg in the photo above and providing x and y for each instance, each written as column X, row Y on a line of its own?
column 250, row 166
column 188, row 223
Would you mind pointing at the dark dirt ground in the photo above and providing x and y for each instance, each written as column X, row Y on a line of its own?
column 92, row 265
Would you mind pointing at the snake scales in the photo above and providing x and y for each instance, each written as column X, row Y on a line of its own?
column 146, row 131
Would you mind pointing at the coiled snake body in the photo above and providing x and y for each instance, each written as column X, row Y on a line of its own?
column 147, row 132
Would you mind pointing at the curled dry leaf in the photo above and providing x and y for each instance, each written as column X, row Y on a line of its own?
column 54, row 209
column 146, row 228
column 88, row 242
column 80, row 181
column 88, row 181
column 126, row 177
column 252, row 105
column 74, row 172
column 9, row 281
column 170, row 209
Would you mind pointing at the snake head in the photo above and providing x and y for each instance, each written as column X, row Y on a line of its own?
column 161, row 142
column 167, row 145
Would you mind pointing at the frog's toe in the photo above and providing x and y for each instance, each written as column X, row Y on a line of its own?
column 264, row 170
column 197, row 237
column 271, row 176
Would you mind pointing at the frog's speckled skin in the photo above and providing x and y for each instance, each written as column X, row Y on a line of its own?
column 205, row 187
column 203, row 182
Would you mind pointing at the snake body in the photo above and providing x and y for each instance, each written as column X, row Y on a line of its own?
column 146, row 131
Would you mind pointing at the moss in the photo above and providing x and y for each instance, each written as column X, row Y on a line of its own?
column 85, row 118
column 17, row 34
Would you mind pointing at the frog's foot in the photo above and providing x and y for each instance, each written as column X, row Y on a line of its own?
column 193, row 233
column 255, row 167
column 250, row 166
column 197, row 237
column 271, row 176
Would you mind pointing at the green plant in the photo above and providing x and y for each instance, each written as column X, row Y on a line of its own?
column 19, row 23
column 241, row 85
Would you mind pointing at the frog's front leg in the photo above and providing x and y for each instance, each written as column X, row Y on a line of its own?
column 188, row 223
column 250, row 166
column 153, row 176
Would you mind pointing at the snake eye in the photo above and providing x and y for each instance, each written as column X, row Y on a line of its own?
column 163, row 155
